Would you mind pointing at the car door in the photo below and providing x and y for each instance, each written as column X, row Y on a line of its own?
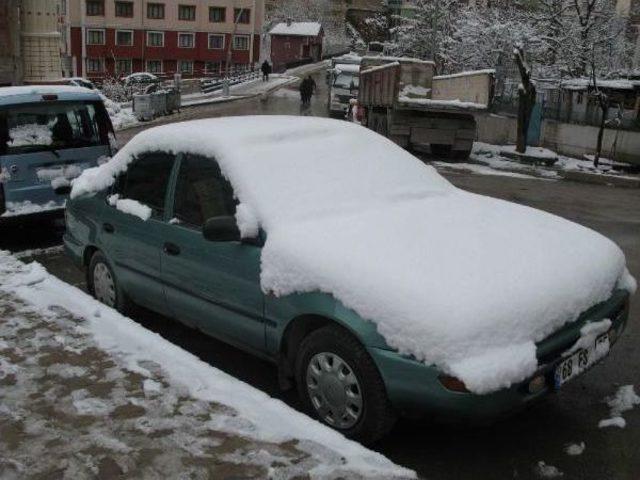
column 132, row 244
column 213, row 285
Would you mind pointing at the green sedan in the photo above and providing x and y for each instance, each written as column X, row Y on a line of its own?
column 376, row 287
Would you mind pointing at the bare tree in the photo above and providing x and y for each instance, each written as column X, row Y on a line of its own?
column 603, row 102
column 526, row 98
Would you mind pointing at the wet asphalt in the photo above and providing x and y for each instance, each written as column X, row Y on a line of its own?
column 509, row 449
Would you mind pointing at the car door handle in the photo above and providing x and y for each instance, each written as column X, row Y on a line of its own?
column 171, row 249
column 107, row 227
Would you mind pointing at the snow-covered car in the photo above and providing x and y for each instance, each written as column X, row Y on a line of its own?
column 140, row 78
column 48, row 135
column 81, row 82
column 374, row 285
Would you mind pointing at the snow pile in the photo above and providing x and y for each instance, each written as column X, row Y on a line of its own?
column 461, row 281
column 239, row 408
column 132, row 207
column 624, row 400
column 121, row 117
column 30, row 135
column 575, row 449
column 547, row 471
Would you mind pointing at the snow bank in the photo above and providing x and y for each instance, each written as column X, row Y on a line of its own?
column 461, row 281
column 121, row 117
column 255, row 414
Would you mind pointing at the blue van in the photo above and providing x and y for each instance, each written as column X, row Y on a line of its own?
column 48, row 135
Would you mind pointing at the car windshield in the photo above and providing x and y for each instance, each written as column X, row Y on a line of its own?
column 346, row 81
column 52, row 126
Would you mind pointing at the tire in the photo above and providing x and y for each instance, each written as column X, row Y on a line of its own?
column 99, row 266
column 375, row 416
column 441, row 150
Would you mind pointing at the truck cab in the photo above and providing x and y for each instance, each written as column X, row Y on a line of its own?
column 48, row 136
column 343, row 79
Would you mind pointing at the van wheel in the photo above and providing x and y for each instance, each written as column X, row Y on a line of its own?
column 340, row 385
column 103, row 285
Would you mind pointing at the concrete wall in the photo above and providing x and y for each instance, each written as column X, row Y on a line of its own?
column 564, row 138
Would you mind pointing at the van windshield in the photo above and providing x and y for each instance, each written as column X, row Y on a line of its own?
column 52, row 126
column 346, row 81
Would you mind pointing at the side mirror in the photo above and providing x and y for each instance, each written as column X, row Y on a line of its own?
column 62, row 190
column 221, row 229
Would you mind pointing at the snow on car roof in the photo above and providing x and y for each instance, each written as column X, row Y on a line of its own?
column 24, row 94
column 461, row 281
column 306, row 29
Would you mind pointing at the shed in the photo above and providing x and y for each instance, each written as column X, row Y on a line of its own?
column 295, row 43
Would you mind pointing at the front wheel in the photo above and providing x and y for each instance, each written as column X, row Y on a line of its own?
column 339, row 384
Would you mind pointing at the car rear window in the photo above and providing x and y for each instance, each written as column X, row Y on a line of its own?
column 52, row 126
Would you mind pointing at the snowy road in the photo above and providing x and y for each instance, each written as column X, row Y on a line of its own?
column 512, row 448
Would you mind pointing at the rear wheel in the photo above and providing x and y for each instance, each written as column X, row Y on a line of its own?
column 341, row 386
column 103, row 285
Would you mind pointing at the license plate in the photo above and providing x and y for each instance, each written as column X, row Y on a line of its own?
column 581, row 360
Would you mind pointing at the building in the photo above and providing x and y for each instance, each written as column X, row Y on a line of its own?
column 295, row 43
column 29, row 42
column 193, row 37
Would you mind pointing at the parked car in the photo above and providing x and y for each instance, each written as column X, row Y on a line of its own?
column 140, row 78
column 81, row 82
column 48, row 136
column 375, row 286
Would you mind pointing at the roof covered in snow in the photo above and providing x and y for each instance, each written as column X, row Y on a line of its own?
column 586, row 83
column 303, row 29
column 28, row 94
column 461, row 281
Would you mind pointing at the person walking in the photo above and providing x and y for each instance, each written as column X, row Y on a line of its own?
column 266, row 70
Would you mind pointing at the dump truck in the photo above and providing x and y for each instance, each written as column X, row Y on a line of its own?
column 404, row 100
column 343, row 82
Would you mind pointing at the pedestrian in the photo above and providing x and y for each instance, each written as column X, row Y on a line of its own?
column 266, row 70
column 307, row 88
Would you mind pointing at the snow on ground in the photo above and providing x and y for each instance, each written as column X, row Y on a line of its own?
column 481, row 170
column 35, row 252
column 15, row 209
column 547, row 471
column 625, row 399
column 520, row 271
column 489, row 155
column 575, row 449
column 92, row 392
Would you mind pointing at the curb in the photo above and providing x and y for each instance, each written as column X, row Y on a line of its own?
column 599, row 179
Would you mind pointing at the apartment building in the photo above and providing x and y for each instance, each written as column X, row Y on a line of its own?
column 193, row 37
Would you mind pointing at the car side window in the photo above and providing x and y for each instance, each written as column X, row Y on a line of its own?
column 146, row 180
column 202, row 192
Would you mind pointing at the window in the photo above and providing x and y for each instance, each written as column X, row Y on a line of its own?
column 187, row 12
column 155, row 10
column 124, row 9
column 154, row 66
column 202, row 192
column 186, row 40
column 216, row 42
column 155, row 39
column 95, row 37
column 95, row 8
column 213, row 67
column 146, row 180
column 217, row 14
column 185, row 66
column 242, row 15
column 123, row 66
column 241, row 42
column 52, row 126
column 124, row 37
column 94, row 65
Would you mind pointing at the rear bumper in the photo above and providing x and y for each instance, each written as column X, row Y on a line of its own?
column 415, row 391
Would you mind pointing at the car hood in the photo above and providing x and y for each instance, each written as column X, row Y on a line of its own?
column 463, row 281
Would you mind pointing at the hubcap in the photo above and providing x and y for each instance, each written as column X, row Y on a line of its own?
column 103, row 285
column 334, row 390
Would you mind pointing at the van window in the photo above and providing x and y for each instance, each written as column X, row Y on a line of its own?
column 53, row 126
column 347, row 81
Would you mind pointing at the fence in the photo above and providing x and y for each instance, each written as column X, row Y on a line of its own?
column 215, row 83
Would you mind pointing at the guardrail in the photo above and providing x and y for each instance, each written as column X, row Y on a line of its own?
column 210, row 85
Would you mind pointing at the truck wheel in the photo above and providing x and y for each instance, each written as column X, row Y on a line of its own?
column 441, row 150
column 340, row 385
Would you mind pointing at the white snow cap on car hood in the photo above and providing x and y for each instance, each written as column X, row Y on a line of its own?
column 462, row 281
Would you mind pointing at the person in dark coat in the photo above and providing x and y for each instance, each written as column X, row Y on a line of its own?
column 266, row 70
column 307, row 88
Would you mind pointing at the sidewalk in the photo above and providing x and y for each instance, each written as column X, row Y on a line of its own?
column 88, row 393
